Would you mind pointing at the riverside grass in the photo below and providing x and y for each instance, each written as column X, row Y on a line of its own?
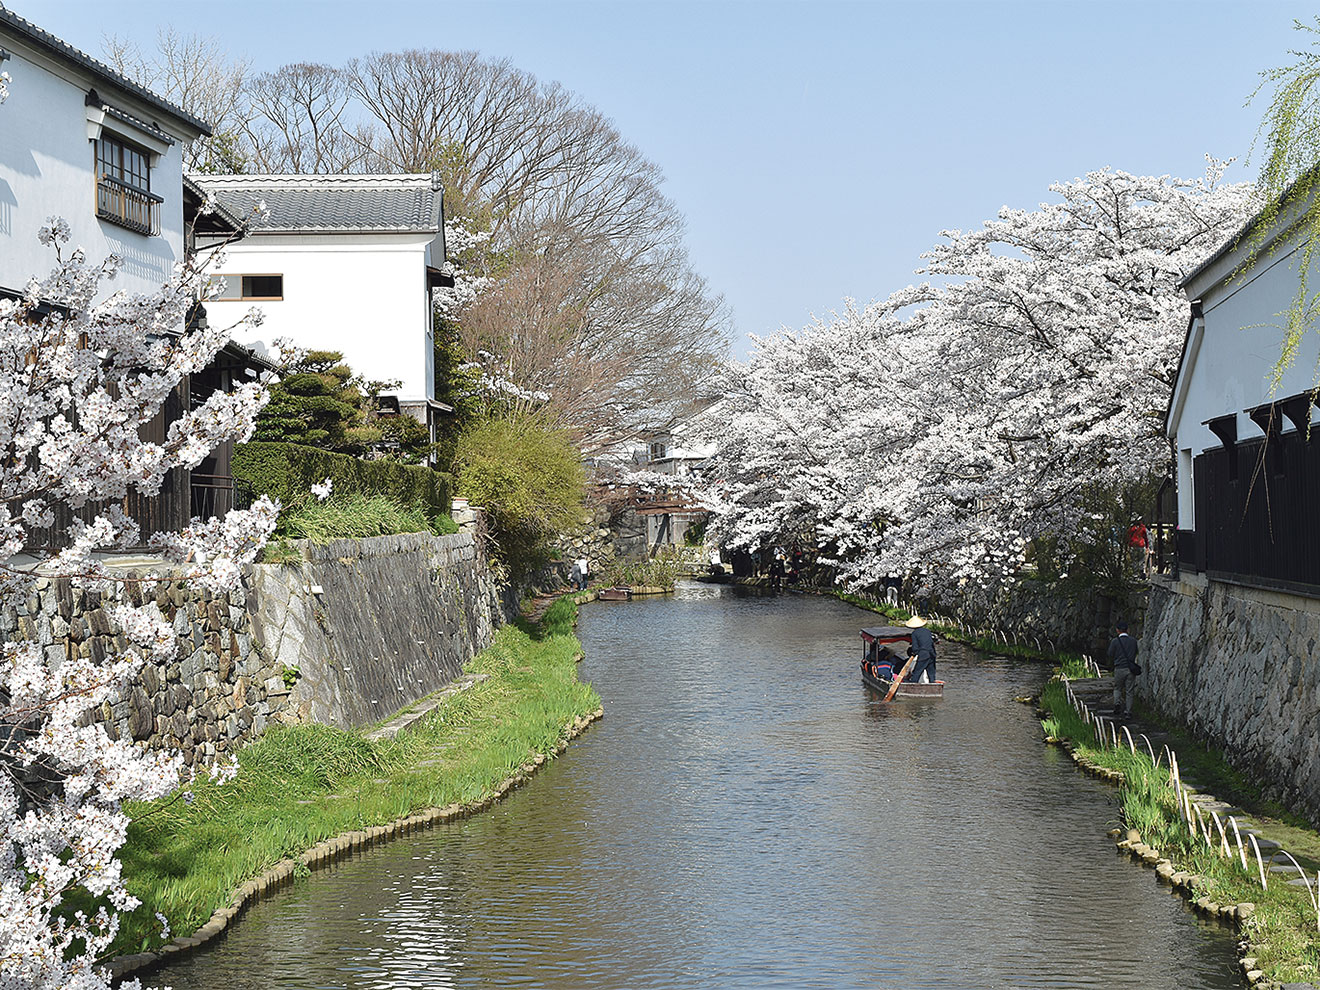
column 1283, row 929
column 299, row 785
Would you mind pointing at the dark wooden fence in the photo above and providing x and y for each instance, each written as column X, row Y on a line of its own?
column 1255, row 511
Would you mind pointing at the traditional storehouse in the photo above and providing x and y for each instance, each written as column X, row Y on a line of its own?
column 1231, row 644
column 1247, row 469
column 81, row 142
column 344, row 263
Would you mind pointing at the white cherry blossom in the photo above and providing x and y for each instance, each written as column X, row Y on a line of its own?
column 78, row 382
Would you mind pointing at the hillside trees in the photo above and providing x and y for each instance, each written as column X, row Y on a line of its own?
column 572, row 277
column 940, row 431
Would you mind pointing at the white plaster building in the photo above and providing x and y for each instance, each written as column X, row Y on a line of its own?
column 1247, row 473
column 79, row 141
column 344, row 263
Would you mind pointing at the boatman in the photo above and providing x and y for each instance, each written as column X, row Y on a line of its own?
column 923, row 647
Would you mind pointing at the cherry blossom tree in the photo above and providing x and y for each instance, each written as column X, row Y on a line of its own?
column 936, row 433
column 80, row 375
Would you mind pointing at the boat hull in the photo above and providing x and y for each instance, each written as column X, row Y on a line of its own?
column 905, row 689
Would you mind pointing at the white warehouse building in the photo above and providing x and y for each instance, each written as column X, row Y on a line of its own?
column 80, row 142
column 342, row 263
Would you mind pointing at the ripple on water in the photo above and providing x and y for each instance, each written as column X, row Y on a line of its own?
column 748, row 815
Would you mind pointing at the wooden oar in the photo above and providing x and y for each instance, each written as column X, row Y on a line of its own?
column 898, row 678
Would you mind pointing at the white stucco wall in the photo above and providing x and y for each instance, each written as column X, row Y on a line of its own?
column 47, row 169
column 364, row 295
column 1231, row 353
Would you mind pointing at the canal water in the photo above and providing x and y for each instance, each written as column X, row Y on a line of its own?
column 747, row 814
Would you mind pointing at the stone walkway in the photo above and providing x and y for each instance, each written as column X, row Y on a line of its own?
column 401, row 720
column 1098, row 695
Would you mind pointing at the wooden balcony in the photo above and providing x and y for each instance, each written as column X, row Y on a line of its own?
column 125, row 205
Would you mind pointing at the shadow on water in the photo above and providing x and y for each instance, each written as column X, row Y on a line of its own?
column 748, row 814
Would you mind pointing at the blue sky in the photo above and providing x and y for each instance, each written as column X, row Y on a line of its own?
column 818, row 147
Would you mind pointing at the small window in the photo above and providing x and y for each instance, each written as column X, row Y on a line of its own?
column 657, row 451
column 123, row 186
column 251, row 286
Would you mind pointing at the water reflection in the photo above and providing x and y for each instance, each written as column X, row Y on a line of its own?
column 748, row 814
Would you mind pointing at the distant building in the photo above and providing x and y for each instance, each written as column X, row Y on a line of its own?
column 676, row 451
column 344, row 263
column 81, row 142
column 1247, row 466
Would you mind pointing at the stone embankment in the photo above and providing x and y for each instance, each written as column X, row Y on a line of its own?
column 357, row 630
column 1241, row 668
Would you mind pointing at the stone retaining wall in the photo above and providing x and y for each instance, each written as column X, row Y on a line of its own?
column 1239, row 666
column 369, row 626
column 218, row 691
column 356, row 631
column 1038, row 608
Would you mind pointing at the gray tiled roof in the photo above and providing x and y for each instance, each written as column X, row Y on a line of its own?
column 332, row 202
column 15, row 26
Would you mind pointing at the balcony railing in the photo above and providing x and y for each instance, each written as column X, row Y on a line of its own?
column 211, row 494
column 128, row 206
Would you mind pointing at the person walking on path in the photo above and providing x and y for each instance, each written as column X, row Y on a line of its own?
column 1123, row 656
column 923, row 647
column 580, row 572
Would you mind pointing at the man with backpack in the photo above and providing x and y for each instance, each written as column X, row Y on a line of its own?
column 1123, row 657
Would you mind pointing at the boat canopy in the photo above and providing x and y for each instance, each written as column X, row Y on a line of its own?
column 887, row 634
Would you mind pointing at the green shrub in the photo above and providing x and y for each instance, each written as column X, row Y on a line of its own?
column 528, row 478
column 287, row 471
column 349, row 517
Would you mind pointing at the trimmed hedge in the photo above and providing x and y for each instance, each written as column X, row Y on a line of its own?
column 287, row 471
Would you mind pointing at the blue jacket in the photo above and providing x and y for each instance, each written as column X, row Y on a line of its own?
column 924, row 643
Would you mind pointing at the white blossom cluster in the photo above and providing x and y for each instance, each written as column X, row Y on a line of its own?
column 463, row 241
column 492, row 385
column 79, row 380
column 935, row 433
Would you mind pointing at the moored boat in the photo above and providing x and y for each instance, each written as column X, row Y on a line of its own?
column 879, row 663
column 614, row 594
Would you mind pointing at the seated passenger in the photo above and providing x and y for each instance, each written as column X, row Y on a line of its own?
column 884, row 665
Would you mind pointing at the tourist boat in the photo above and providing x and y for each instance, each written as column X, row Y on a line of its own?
column 875, row 638
column 614, row 594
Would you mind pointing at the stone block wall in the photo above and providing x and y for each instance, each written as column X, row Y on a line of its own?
column 356, row 631
column 220, row 689
column 1241, row 668
column 1039, row 608
column 369, row 626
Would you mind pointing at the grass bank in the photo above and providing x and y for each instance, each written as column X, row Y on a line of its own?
column 1282, row 930
column 344, row 517
column 299, row 785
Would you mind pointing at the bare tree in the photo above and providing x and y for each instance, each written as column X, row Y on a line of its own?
column 591, row 297
column 299, row 120
column 195, row 73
